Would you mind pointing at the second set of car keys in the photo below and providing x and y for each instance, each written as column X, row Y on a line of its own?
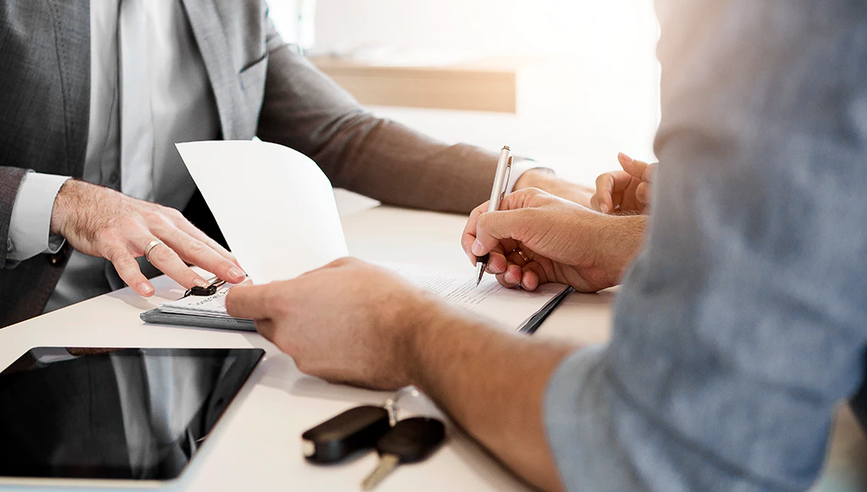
column 398, row 442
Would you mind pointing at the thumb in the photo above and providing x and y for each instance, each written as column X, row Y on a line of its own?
column 496, row 226
column 648, row 173
column 635, row 168
column 249, row 301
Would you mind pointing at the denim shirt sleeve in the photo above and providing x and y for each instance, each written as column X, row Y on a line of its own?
column 739, row 328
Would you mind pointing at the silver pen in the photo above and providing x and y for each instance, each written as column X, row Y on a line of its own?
column 498, row 192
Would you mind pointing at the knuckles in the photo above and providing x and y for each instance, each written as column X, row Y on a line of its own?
column 342, row 262
column 129, row 223
column 162, row 253
column 124, row 262
column 174, row 214
column 347, row 261
column 114, row 252
column 530, row 192
column 195, row 247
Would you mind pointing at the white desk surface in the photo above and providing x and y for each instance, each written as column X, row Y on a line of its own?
column 256, row 446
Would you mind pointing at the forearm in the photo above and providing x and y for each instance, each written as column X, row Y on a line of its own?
column 399, row 166
column 309, row 112
column 621, row 239
column 492, row 384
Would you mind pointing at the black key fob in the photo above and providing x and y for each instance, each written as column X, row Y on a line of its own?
column 412, row 440
column 355, row 429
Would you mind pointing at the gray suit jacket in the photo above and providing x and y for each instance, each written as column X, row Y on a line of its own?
column 262, row 89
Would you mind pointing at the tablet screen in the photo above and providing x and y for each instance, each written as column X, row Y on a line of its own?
column 137, row 414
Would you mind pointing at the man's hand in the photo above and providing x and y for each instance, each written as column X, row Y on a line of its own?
column 355, row 323
column 348, row 321
column 101, row 222
column 626, row 191
column 546, row 180
column 536, row 238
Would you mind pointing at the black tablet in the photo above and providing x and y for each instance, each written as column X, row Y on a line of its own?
column 114, row 414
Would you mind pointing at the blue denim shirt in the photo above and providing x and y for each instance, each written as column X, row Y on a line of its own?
column 742, row 324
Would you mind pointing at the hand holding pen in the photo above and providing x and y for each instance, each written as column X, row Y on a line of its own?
column 498, row 192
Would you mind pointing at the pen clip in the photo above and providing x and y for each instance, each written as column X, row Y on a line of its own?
column 506, row 180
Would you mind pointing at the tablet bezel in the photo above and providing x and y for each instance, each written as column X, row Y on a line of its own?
column 87, row 482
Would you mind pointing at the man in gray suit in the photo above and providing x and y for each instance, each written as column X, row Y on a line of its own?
column 101, row 92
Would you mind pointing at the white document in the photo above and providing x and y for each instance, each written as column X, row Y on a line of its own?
column 274, row 205
column 277, row 211
column 211, row 306
column 509, row 308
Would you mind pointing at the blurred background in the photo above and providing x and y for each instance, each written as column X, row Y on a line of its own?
column 567, row 83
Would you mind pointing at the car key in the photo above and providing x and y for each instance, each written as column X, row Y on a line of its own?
column 409, row 441
column 355, row 429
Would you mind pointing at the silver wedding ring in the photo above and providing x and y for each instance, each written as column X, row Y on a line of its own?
column 151, row 245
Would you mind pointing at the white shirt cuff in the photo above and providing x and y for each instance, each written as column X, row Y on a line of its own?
column 518, row 170
column 31, row 217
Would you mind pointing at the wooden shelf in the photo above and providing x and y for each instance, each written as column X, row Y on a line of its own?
column 481, row 86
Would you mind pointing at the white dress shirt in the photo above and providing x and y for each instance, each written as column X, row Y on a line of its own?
column 183, row 109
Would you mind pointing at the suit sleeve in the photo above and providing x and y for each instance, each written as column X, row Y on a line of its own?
column 10, row 182
column 305, row 110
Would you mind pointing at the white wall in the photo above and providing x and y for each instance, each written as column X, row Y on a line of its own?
column 591, row 92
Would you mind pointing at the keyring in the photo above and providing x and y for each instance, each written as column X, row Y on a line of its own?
column 409, row 401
